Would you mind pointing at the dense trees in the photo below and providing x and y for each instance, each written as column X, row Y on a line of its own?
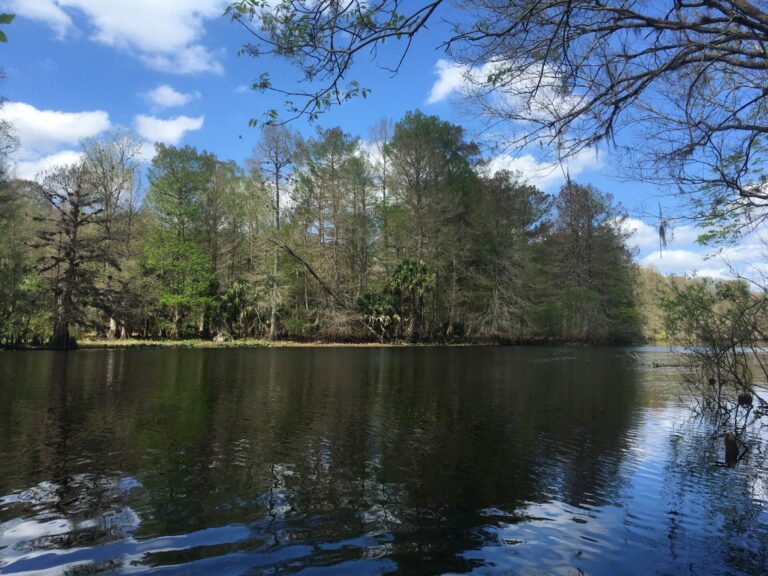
column 179, row 180
column 589, row 258
column 318, row 238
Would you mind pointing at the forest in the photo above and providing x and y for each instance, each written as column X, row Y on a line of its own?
column 407, row 237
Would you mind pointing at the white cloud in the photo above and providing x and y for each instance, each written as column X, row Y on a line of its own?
column 190, row 60
column 546, row 175
column 166, row 34
column 30, row 169
column 169, row 131
column 646, row 236
column 165, row 96
column 679, row 261
column 536, row 91
column 42, row 131
column 642, row 235
column 46, row 11
column 748, row 257
column 685, row 234
column 147, row 152
column 451, row 77
column 371, row 151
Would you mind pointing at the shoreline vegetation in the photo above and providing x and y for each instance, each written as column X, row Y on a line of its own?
column 312, row 240
column 363, row 252
column 199, row 343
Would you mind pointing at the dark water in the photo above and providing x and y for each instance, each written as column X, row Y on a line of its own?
column 366, row 461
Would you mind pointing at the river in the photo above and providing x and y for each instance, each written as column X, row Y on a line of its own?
column 487, row 460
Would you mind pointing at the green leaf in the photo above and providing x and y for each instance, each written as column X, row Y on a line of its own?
column 7, row 18
column 3, row 37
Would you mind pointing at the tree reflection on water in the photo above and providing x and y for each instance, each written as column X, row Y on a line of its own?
column 368, row 461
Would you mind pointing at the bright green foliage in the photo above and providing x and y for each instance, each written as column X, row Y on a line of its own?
column 175, row 255
column 186, row 283
column 178, row 178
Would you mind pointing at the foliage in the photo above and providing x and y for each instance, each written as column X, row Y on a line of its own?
column 5, row 19
column 71, row 248
column 380, row 312
column 187, row 285
column 238, row 308
column 718, row 324
column 312, row 240
column 595, row 275
column 410, row 281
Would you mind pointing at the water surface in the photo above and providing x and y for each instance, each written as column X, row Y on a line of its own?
column 366, row 461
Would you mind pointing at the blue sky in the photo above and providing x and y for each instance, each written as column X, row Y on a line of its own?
column 169, row 70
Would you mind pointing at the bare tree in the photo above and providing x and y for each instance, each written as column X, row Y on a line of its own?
column 273, row 156
column 72, row 246
column 112, row 167
column 381, row 135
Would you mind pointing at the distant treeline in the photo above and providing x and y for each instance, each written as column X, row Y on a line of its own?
column 409, row 237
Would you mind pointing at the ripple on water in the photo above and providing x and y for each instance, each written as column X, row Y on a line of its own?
column 501, row 461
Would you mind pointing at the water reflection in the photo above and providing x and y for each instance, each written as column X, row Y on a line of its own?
column 418, row 461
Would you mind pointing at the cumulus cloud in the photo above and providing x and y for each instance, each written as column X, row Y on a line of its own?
column 147, row 152
column 646, row 236
column 191, row 60
column 42, row 131
column 169, row 131
column 46, row 136
column 451, row 78
column 748, row 256
column 165, row 96
column 680, row 261
column 546, row 175
column 30, row 169
column 47, row 11
column 536, row 91
column 642, row 235
column 166, row 34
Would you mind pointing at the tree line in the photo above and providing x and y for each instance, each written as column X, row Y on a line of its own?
column 408, row 237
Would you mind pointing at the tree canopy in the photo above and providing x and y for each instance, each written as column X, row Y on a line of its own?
column 311, row 240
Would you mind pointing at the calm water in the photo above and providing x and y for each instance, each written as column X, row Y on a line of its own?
column 366, row 461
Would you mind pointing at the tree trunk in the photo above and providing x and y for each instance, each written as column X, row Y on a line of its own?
column 112, row 332
column 276, row 262
column 176, row 322
column 61, row 339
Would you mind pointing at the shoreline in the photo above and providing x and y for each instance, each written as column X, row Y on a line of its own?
column 104, row 344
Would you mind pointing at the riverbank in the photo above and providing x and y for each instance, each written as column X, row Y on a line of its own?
column 198, row 343
column 243, row 343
